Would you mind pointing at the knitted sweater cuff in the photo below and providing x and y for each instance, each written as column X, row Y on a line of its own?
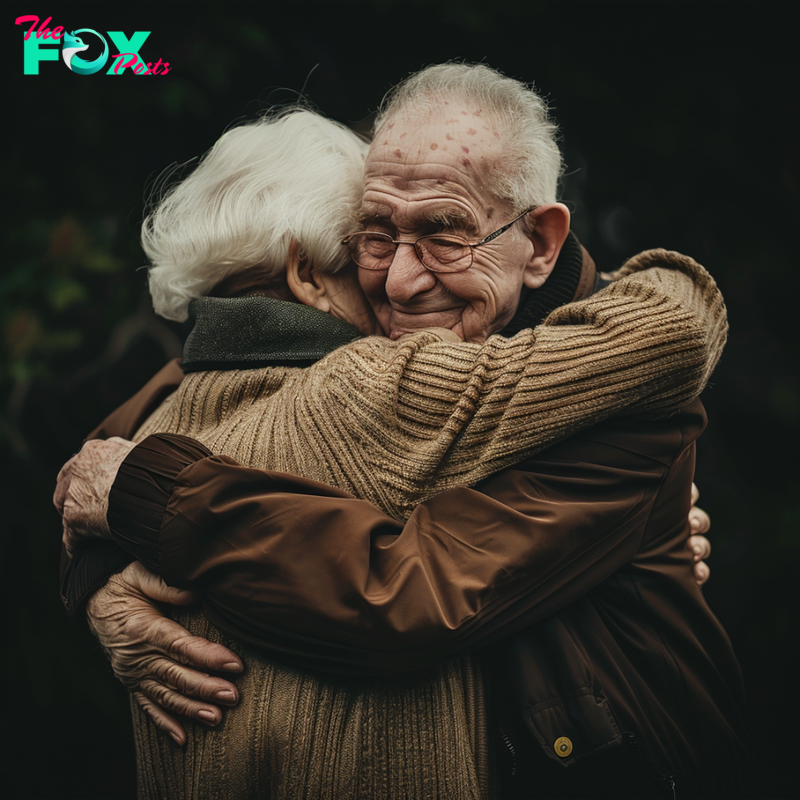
column 142, row 489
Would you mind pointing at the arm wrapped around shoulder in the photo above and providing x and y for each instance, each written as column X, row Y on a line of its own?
column 664, row 303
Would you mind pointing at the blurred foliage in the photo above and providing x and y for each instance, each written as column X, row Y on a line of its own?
column 42, row 296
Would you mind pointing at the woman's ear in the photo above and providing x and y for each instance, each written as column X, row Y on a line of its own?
column 303, row 281
column 548, row 229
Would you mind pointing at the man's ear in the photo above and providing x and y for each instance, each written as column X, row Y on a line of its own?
column 548, row 234
column 303, row 281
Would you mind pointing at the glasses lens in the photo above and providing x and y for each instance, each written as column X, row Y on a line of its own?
column 372, row 250
column 445, row 253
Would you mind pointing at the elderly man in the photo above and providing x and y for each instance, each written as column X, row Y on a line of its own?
column 617, row 679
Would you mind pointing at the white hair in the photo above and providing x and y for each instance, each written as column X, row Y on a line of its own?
column 530, row 164
column 295, row 174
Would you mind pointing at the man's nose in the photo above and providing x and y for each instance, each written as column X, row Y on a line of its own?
column 407, row 276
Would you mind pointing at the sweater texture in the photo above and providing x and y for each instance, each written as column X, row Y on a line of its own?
column 396, row 423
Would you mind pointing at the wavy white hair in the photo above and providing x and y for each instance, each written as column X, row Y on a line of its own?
column 295, row 174
column 531, row 163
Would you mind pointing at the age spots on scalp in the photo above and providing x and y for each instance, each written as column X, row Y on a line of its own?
column 434, row 146
column 398, row 152
column 465, row 149
column 405, row 133
column 466, row 162
column 449, row 137
column 471, row 131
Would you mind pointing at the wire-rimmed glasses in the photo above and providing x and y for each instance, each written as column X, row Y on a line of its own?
column 438, row 252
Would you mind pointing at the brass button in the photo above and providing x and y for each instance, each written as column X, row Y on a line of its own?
column 563, row 747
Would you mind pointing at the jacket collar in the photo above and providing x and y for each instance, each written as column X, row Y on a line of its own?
column 250, row 332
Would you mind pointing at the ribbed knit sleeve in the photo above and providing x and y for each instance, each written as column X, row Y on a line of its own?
column 395, row 423
column 438, row 415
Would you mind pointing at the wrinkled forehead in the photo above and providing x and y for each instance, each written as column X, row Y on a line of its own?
column 451, row 148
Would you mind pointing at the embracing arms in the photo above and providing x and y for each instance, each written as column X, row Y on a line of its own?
column 573, row 323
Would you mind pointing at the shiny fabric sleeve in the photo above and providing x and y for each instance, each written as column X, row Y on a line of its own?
column 142, row 489
column 328, row 581
column 90, row 568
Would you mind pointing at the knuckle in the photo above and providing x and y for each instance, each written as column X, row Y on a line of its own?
column 171, row 700
column 180, row 648
column 176, row 675
column 132, row 668
column 158, row 693
column 206, row 687
column 157, row 717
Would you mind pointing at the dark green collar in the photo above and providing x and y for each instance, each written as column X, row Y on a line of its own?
column 250, row 332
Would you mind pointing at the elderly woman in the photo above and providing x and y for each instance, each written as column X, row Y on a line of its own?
column 278, row 377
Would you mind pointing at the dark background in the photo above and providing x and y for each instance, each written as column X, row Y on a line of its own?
column 679, row 132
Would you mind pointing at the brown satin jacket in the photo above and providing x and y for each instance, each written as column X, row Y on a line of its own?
column 610, row 674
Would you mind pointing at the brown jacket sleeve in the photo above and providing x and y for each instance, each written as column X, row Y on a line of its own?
column 126, row 420
column 329, row 581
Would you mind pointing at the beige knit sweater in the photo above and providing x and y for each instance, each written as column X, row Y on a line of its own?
column 396, row 423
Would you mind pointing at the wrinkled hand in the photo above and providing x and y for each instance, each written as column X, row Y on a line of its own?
column 159, row 661
column 699, row 523
column 82, row 489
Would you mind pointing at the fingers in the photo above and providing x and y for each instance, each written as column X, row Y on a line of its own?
column 197, row 652
column 154, row 587
column 62, row 486
column 702, row 572
column 172, row 639
column 161, row 719
column 700, row 547
column 699, row 521
column 154, row 656
column 195, row 684
column 165, row 698
column 152, row 632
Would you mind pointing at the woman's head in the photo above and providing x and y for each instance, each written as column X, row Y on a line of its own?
column 293, row 176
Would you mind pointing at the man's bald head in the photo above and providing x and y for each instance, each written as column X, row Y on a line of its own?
column 462, row 158
column 503, row 109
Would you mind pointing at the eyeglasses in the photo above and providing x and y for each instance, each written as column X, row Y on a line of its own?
column 438, row 252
